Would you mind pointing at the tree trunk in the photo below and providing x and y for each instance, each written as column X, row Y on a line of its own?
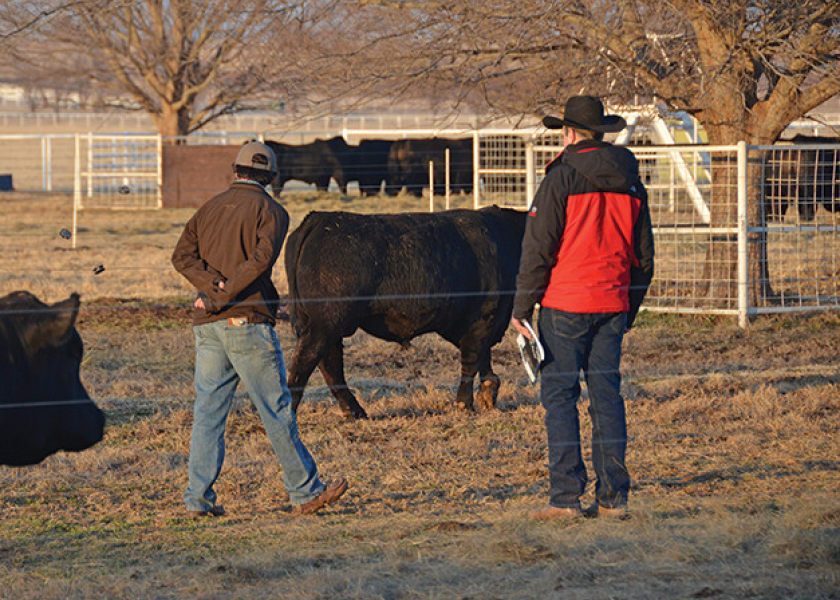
column 173, row 124
column 759, row 290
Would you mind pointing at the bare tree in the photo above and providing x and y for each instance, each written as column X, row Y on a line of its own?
column 185, row 62
column 18, row 18
column 744, row 68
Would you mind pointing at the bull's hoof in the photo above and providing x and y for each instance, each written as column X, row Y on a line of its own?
column 353, row 414
column 465, row 406
column 487, row 393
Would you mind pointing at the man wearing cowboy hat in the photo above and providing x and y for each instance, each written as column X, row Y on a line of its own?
column 587, row 259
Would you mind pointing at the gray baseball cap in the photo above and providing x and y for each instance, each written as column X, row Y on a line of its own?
column 258, row 156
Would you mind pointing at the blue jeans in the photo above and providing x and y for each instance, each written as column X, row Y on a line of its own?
column 592, row 342
column 224, row 354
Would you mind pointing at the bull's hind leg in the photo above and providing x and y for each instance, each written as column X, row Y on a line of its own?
column 332, row 368
column 469, row 367
column 490, row 383
column 475, row 358
column 306, row 358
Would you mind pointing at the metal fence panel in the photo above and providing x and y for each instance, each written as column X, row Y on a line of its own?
column 796, row 225
column 120, row 171
column 503, row 169
column 693, row 258
column 785, row 256
column 38, row 162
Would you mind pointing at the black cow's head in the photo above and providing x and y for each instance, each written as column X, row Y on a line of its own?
column 44, row 407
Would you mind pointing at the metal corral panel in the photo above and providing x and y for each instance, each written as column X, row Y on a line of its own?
column 119, row 171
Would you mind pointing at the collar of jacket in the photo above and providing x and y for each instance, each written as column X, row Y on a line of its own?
column 251, row 182
column 584, row 146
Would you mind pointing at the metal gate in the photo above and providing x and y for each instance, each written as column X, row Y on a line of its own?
column 118, row 171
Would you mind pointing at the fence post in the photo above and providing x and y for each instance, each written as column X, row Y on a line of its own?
column 77, row 185
column 476, row 169
column 743, row 254
column 44, row 163
column 90, row 166
column 159, row 171
column 672, row 198
column 446, row 154
column 431, row 186
column 49, row 163
column 531, row 173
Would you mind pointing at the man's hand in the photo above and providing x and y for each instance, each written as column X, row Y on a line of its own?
column 215, row 299
column 521, row 328
column 199, row 302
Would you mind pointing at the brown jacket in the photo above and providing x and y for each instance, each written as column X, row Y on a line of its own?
column 236, row 238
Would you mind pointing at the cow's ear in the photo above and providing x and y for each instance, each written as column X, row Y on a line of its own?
column 56, row 325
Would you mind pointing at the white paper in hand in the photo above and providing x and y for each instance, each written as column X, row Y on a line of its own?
column 531, row 351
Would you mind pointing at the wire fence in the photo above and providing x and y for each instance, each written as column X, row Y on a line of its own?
column 157, row 367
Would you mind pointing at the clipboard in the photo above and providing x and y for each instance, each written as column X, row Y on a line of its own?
column 531, row 351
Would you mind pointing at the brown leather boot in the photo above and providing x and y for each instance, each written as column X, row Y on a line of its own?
column 334, row 490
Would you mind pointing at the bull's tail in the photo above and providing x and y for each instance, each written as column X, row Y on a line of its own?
column 294, row 246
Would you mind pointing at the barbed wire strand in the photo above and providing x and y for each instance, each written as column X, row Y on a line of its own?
column 449, row 384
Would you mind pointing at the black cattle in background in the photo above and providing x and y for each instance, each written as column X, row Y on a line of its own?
column 44, row 407
column 347, row 157
column 807, row 177
column 398, row 276
column 314, row 163
column 365, row 163
column 408, row 165
column 371, row 168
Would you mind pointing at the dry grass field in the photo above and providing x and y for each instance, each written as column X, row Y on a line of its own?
column 734, row 450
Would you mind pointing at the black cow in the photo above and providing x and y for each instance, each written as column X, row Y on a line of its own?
column 366, row 163
column 345, row 154
column 313, row 163
column 408, row 165
column 44, row 407
column 397, row 277
column 808, row 177
column 370, row 167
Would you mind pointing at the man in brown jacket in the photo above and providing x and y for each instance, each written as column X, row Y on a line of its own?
column 227, row 251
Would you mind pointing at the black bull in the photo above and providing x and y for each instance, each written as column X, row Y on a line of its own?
column 408, row 165
column 806, row 177
column 44, row 407
column 399, row 164
column 315, row 163
column 323, row 160
column 397, row 277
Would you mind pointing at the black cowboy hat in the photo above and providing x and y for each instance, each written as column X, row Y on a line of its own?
column 586, row 112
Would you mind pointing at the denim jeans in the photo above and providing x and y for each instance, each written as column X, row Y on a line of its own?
column 224, row 354
column 592, row 342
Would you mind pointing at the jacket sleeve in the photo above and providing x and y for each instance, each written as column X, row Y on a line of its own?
column 271, row 228
column 543, row 231
column 188, row 262
column 641, row 276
